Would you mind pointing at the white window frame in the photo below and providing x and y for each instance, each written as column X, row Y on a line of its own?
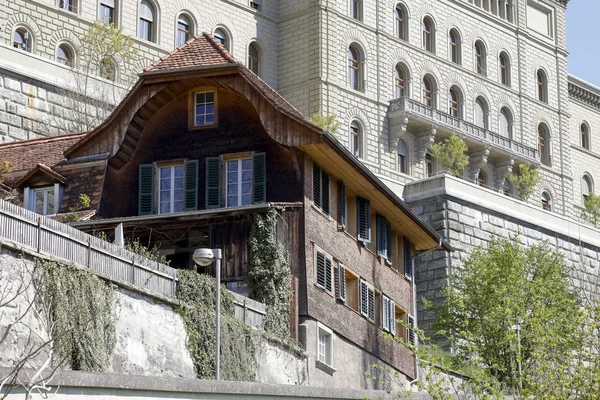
column 214, row 104
column 370, row 288
column 324, row 353
column 239, row 181
column 388, row 314
column 172, row 189
column 30, row 196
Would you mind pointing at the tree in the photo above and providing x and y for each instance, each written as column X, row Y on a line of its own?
column 326, row 122
column 526, row 181
column 451, row 154
column 591, row 213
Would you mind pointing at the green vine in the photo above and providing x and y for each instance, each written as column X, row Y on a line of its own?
column 84, row 325
column 240, row 344
column 269, row 276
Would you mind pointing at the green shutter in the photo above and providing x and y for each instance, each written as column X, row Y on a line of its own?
column 325, row 191
column 316, row 185
column 342, row 204
column 213, row 182
column 190, row 197
column 146, row 189
column 259, row 178
column 363, row 219
column 342, row 282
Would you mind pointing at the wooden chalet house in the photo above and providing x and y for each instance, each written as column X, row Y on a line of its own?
column 199, row 146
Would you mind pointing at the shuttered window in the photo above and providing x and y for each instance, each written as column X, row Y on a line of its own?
column 363, row 219
column 146, row 189
column 259, row 178
column 177, row 188
column 341, row 282
column 367, row 301
column 408, row 265
column 388, row 315
column 323, row 267
column 321, row 189
column 384, row 238
column 342, row 204
column 213, row 182
column 190, row 199
column 410, row 331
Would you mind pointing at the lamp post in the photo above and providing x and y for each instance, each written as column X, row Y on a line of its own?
column 205, row 257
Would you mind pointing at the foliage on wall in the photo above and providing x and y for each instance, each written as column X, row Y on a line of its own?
column 84, row 325
column 239, row 342
column 269, row 276
column 526, row 181
column 591, row 213
column 326, row 122
column 450, row 154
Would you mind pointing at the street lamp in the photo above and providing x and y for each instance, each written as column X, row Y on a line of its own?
column 205, row 257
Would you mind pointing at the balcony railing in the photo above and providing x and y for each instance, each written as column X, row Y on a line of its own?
column 468, row 129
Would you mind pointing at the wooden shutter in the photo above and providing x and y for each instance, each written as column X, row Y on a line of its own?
column 371, row 292
column 316, row 185
column 385, row 313
column 213, row 182
column 342, row 204
column 363, row 219
column 259, row 178
column 392, row 317
column 325, row 192
column 407, row 259
column 342, row 282
column 382, row 238
column 190, row 196
column 321, row 269
column 410, row 331
column 146, row 189
column 364, row 299
column 328, row 277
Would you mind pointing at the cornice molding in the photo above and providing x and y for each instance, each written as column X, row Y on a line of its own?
column 584, row 91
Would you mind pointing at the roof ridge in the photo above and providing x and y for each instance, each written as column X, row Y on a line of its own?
column 43, row 139
column 172, row 52
column 220, row 48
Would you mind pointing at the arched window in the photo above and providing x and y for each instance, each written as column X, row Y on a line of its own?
column 455, row 102
column 587, row 186
column 221, row 37
column 455, row 46
column 428, row 34
column 401, row 20
column 481, row 178
column 480, row 58
column 400, row 81
column 481, row 112
column 402, row 161
column 69, row 5
column 64, row 54
column 107, row 14
column 184, row 29
column 542, row 86
column 22, row 39
column 585, row 136
column 254, row 58
column 506, row 123
column 354, row 68
column 428, row 85
column 108, row 69
column 356, row 9
column 546, row 201
column 544, row 144
column 504, row 69
column 507, row 187
column 146, row 29
column 355, row 138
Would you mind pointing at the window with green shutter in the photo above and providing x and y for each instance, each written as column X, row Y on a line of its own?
column 213, row 182
column 259, row 178
column 384, row 238
column 190, row 199
column 321, row 189
column 146, row 189
column 324, row 271
column 363, row 219
column 342, row 204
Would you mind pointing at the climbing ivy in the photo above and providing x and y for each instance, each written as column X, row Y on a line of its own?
column 269, row 275
column 84, row 325
column 239, row 342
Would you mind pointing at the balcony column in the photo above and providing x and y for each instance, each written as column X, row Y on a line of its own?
column 476, row 161
column 503, row 171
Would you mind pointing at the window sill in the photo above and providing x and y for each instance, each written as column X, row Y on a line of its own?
column 320, row 212
column 325, row 367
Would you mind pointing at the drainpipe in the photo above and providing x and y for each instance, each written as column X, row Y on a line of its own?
column 414, row 302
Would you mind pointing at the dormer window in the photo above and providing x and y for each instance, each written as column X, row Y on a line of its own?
column 203, row 109
column 44, row 200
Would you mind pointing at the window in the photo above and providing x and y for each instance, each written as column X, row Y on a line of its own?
column 507, row 187
column 367, row 300
column 342, row 205
column 504, row 69
column 481, row 112
column 384, row 238
column 354, row 68
column 43, row 200
column 108, row 69
column 428, row 91
column 177, row 188
column 454, row 102
column 428, row 34
column 239, row 182
column 22, row 39
column 585, row 136
column 408, row 261
column 546, row 201
column 544, row 144
column 481, row 178
column 429, row 164
column 356, row 139
column 542, row 86
column 324, row 346
column 69, row 5
column 320, row 189
column 64, row 54
column 363, row 219
column 107, row 12
column 170, row 189
column 506, row 123
column 323, row 271
column 480, row 58
column 402, row 161
column 204, row 108
column 342, row 288
column 255, row 4
column 400, row 81
column 254, row 58
column 222, row 37
column 401, row 22
column 356, row 9
column 184, row 30
column 388, row 315
column 146, row 22
column 587, row 187
column 454, row 43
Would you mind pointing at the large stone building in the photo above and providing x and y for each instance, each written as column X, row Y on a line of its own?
column 399, row 75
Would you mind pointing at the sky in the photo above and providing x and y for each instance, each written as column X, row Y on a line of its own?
column 583, row 40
